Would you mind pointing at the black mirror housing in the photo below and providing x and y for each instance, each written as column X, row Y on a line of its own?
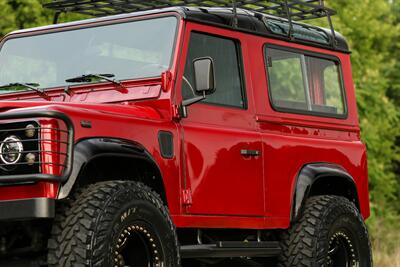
column 204, row 75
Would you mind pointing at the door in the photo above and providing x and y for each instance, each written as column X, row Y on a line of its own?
column 222, row 149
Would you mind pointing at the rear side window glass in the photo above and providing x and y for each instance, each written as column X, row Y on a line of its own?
column 332, row 85
column 303, row 83
column 225, row 54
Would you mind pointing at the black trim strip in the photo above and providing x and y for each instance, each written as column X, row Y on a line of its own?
column 34, row 208
column 231, row 250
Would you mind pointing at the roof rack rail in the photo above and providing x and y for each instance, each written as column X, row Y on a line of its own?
column 292, row 10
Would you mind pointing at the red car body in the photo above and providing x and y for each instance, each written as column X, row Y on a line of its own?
column 208, row 183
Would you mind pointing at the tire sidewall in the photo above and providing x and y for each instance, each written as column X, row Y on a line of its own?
column 343, row 217
column 307, row 242
column 134, row 211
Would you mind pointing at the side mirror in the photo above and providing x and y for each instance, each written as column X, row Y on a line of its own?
column 204, row 82
column 204, row 76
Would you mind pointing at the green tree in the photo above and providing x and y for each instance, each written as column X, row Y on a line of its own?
column 369, row 27
column 22, row 14
column 7, row 22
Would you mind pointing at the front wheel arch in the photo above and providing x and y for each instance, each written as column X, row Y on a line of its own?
column 94, row 156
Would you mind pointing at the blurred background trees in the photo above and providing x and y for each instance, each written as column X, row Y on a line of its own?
column 372, row 28
column 373, row 32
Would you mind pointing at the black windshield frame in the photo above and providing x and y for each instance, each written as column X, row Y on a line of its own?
column 94, row 23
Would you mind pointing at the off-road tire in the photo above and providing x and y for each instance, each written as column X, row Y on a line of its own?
column 94, row 224
column 327, row 223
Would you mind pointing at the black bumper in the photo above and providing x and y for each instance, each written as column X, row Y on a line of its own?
column 34, row 208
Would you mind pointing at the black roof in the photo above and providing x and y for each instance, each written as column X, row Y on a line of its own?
column 275, row 18
column 245, row 21
column 268, row 25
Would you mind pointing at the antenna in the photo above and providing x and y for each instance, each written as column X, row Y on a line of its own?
column 235, row 18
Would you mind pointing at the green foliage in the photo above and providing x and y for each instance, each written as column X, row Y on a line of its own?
column 7, row 22
column 373, row 31
column 22, row 14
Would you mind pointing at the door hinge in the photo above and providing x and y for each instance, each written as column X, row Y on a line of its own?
column 187, row 197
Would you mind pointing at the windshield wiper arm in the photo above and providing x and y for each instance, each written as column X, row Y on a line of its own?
column 90, row 77
column 30, row 86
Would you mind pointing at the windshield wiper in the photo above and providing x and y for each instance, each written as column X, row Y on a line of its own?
column 30, row 86
column 93, row 77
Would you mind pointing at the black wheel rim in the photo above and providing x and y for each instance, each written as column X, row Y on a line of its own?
column 343, row 251
column 137, row 246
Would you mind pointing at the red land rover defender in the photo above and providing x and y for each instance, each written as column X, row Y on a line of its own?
column 173, row 135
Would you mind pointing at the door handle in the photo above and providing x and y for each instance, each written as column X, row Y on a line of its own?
column 250, row 153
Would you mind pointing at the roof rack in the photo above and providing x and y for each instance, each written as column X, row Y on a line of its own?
column 292, row 10
column 296, row 9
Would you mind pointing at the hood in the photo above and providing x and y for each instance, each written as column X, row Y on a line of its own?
column 125, row 110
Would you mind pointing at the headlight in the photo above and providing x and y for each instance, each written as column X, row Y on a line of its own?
column 11, row 150
column 30, row 131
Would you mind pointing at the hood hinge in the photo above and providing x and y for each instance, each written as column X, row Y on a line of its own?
column 187, row 197
column 176, row 112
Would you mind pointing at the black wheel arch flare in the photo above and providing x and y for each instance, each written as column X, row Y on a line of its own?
column 89, row 149
column 329, row 174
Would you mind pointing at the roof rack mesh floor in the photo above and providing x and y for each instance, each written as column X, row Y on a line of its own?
column 292, row 9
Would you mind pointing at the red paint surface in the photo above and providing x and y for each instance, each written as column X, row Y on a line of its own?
column 227, row 189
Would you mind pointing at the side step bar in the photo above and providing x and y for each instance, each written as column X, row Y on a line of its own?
column 231, row 249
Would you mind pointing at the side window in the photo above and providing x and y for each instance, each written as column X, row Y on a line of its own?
column 332, row 85
column 225, row 54
column 299, row 82
column 287, row 82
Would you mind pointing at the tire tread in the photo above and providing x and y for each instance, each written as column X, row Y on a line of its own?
column 82, row 222
column 299, row 243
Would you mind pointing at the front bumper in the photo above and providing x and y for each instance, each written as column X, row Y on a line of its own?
column 23, row 209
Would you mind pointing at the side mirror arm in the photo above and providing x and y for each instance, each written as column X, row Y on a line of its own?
column 205, row 83
column 188, row 102
column 191, row 101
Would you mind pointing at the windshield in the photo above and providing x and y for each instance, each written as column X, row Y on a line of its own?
column 139, row 49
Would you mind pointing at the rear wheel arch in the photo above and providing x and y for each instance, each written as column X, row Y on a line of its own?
column 322, row 179
column 107, row 159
